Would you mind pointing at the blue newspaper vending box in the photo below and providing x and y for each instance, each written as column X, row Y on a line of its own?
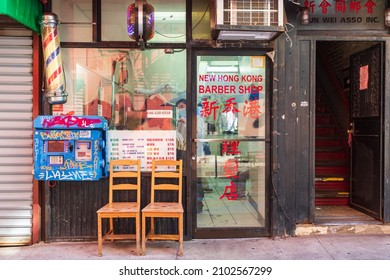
column 69, row 148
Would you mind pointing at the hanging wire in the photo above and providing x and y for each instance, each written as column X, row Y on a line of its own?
column 204, row 14
column 182, row 35
column 172, row 37
column 296, row 3
column 288, row 38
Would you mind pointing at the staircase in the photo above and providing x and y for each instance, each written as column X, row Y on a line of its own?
column 331, row 158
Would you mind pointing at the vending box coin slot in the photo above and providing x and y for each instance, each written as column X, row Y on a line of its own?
column 83, row 151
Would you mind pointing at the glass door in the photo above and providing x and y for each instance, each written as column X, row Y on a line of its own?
column 231, row 145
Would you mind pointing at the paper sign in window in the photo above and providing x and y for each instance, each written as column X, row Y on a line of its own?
column 363, row 77
column 257, row 61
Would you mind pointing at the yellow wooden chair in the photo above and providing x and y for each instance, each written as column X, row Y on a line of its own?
column 171, row 171
column 112, row 210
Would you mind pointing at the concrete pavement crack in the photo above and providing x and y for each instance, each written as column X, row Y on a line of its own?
column 323, row 246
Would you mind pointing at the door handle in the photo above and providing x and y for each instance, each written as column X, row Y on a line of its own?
column 350, row 134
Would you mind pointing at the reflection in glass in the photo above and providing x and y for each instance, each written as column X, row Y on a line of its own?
column 132, row 89
column 75, row 20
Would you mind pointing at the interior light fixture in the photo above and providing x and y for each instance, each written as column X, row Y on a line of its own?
column 222, row 69
column 224, row 63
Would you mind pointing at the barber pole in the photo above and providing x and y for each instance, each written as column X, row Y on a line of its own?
column 54, row 73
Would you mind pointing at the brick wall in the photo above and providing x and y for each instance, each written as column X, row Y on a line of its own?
column 338, row 56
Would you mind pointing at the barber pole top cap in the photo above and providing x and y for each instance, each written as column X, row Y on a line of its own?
column 49, row 19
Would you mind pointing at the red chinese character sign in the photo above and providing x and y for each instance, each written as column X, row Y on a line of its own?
column 231, row 100
column 345, row 14
column 231, row 106
column 231, row 94
column 231, row 170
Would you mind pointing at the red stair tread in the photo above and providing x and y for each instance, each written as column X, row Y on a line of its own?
column 332, row 169
column 340, row 186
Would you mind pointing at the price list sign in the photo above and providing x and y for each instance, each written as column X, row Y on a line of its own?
column 145, row 145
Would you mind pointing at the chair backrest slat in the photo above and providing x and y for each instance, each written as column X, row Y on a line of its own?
column 124, row 187
column 166, row 187
column 167, row 174
column 167, row 169
column 126, row 168
column 125, row 174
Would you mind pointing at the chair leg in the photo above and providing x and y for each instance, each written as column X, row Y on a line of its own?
column 143, row 234
column 152, row 225
column 100, row 238
column 111, row 225
column 137, row 234
column 180, row 231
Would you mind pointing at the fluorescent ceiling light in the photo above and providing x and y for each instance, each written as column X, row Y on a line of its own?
column 222, row 69
column 224, row 63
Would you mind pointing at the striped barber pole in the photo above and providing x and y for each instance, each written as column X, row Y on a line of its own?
column 55, row 78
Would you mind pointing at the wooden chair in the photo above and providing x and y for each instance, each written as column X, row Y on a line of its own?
column 112, row 210
column 170, row 171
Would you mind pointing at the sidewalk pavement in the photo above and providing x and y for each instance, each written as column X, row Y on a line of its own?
column 309, row 247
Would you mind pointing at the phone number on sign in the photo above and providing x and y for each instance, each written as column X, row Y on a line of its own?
column 159, row 114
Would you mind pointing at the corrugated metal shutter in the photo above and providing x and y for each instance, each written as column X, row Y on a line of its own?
column 16, row 180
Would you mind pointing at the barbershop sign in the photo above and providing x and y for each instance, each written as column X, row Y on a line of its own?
column 345, row 14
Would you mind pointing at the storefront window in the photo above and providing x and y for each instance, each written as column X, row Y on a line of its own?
column 231, row 147
column 141, row 94
column 75, row 20
column 169, row 20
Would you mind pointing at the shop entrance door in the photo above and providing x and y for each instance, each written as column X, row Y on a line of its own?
column 367, row 126
column 231, row 145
